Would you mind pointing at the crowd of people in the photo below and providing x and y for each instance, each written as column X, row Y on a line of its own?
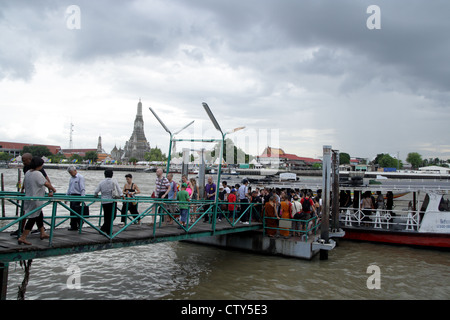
column 285, row 210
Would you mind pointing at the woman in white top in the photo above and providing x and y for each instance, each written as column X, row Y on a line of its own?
column 35, row 184
column 109, row 188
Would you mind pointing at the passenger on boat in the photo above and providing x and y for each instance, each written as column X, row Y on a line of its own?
column 367, row 205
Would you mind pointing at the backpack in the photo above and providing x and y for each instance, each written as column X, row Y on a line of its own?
column 306, row 205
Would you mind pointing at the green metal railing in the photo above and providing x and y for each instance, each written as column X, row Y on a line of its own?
column 157, row 209
column 312, row 226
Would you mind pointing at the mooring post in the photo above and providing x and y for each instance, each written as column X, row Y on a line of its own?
column 335, row 192
column 3, row 280
column 326, row 186
column 3, row 200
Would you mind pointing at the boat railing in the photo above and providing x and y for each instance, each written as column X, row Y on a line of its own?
column 155, row 210
column 380, row 218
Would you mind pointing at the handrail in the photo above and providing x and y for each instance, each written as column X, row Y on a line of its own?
column 154, row 207
column 378, row 218
column 314, row 226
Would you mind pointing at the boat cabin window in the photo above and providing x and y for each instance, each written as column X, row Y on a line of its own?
column 444, row 205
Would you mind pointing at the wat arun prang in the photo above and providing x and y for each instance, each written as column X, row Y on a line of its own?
column 137, row 146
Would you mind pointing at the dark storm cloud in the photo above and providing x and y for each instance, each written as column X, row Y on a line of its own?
column 413, row 39
column 259, row 59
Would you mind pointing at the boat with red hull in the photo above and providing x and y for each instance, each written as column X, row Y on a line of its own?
column 428, row 226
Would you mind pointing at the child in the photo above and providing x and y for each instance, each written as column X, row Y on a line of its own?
column 183, row 196
column 231, row 200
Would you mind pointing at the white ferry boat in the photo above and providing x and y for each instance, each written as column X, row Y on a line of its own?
column 421, row 223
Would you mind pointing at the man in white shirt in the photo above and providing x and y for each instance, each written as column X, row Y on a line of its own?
column 226, row 189
column 244, row 199
column 108, row 187
column 77, row 189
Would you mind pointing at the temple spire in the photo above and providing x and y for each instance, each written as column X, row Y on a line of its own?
column 138, row 145
column 139, row 109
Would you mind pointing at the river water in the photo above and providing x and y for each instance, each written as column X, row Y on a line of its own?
column 179, row 270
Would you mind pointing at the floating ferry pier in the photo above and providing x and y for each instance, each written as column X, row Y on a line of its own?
column 230, row 232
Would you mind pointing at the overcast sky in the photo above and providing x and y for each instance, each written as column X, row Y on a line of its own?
column 297, row 74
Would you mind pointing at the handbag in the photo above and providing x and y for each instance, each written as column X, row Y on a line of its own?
column 85, row 210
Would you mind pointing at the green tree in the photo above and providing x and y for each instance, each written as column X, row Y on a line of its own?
column 317, row 166
column 76, row 157
column 155, row 154
column 386, row 161
column 133, row 160
column 56, row 158
column 92, row 156
column 414, row 159
column 344, row 158
column 37, row 151
column 4, row 156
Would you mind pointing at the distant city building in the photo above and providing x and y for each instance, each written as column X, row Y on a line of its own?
column 276, row 157
column 15, row 148
column 117, row 154
column 137, row 146
column 101, row 154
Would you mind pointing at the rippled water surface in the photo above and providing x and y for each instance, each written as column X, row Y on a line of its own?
column 180, row 270
column 188, row 271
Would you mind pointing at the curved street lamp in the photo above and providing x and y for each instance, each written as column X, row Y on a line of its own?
column 171, row 136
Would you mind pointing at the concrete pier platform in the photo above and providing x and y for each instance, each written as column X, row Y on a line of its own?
column 255, row 241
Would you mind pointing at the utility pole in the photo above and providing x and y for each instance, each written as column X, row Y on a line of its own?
column 70, row 141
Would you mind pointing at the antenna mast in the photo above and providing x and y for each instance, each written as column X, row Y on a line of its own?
column 71, row 142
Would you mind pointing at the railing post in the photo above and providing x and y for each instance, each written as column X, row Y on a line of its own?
column 155, row 210
column 53, row 221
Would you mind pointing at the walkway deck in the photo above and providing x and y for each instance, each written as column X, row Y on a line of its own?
column 70, row 242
